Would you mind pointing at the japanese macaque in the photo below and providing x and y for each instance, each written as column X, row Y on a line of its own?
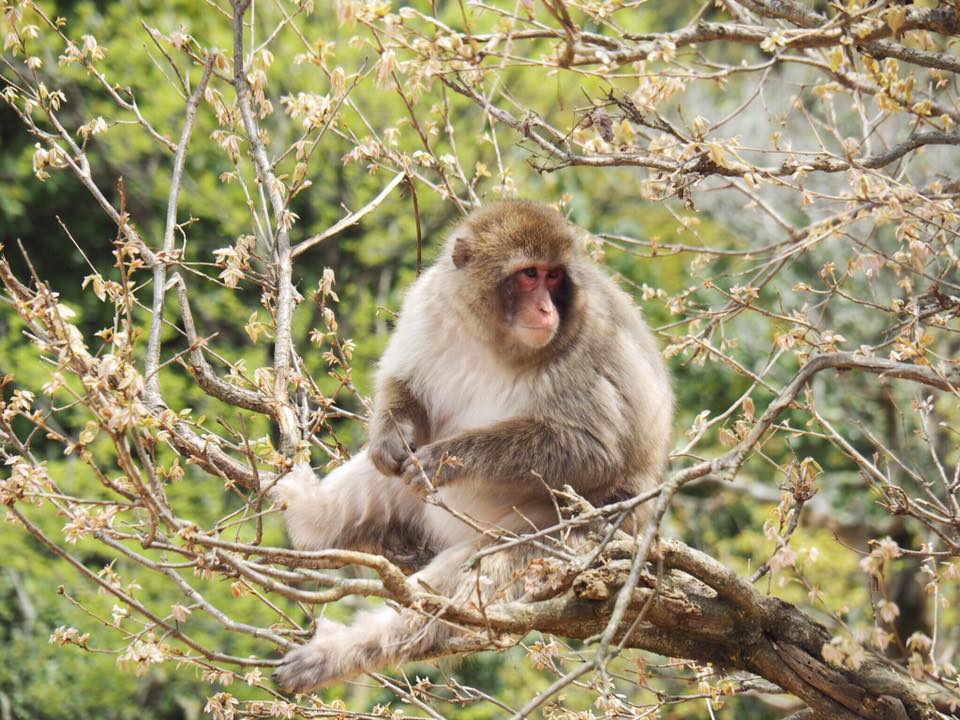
column 516, row 367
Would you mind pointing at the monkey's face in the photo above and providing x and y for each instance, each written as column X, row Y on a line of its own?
column 514, row 276
column 531, row 298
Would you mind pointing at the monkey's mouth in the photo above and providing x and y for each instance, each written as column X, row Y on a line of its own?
column 536, row 336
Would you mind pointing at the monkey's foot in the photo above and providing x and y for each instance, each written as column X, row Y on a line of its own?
column 295, row 487
column 303, row 670
column 318, row 662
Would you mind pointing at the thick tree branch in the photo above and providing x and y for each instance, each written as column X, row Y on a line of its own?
column 724, row 621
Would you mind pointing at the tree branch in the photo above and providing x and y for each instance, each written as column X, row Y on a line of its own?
column 165, row 255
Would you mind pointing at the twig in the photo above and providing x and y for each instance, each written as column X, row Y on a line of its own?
column 348, row 220
column 166, row 253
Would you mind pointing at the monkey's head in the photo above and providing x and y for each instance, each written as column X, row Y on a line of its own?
column 517, row 266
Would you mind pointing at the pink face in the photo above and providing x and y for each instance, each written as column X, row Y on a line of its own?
column 535, row 317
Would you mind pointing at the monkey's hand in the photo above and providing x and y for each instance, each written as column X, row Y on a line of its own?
column 391, row 443
column 432, row 467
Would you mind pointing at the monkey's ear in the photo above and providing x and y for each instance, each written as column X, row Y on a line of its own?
column 461, row 252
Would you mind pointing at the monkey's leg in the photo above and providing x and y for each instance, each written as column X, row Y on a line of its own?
column 385, row 636
column 355, row 507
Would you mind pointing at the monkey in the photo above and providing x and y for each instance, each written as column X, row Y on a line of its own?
column 517, row 366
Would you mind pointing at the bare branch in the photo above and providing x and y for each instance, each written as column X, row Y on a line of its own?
column 348, row 220
column 165, row 255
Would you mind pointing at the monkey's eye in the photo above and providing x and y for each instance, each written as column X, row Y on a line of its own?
column 555, row 274
column 530, row 272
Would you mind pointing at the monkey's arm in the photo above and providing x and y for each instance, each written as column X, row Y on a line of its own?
column 399, row 421
column 516, row 451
